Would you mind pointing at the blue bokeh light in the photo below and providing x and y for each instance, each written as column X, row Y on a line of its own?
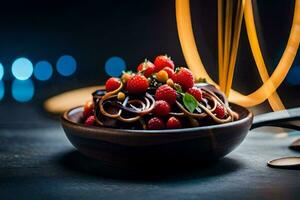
column 66, row 65
column 43, row 71
column 22, row 69
column 1, row 71
column 22, row 91
column 2, row 90
column 114, row 66
column 293, row 77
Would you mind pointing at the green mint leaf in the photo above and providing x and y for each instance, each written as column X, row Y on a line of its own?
column 190, row 102
column 127, row 72
column 177, row 88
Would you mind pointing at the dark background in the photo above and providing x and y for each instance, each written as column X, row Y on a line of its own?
column 93, row 31
column 36, row 158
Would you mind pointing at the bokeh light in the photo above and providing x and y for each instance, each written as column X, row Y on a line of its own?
column 66, row 65
column 293, row 77
column 43, row 71
column 2, row 90
column 22, row 69
column 114, row 66
column 22, row 91
column 1, row 71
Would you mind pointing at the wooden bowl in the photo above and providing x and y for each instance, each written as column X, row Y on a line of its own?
column 156, row 147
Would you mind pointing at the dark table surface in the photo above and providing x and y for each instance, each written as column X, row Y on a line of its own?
column 38, row 162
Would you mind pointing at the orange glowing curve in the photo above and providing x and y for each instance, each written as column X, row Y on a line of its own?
column 274, row 100
column 190, row 52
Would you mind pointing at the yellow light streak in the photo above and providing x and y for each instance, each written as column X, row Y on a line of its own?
column 227, row 43
column 274, row 100
column 235, row 45
column 220, row 41
column 194, row 62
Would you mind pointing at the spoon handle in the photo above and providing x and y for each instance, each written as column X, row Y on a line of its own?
column 276, row 118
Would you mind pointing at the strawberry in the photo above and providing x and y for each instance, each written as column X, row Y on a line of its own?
column 173, row 123
column 161, row 108
column 146, row 67
column 169, row 71
column 90, row 120
column 166, row 93
column 155, row 123
column 196, row 92
column 163, row 61
column 112, row 84
column 137, row 84
column 220, row 111
column 184, row 78
column 88, row 109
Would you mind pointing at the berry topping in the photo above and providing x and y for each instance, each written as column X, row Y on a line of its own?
column 88, row 109
column 155, row 123
column 220, row 111
column 137, row 85
column 196, row 92
column 170, row 82
column 156, row 97
column 90, row 120
column 146, row 67
column 163, row 61
column 112, row 84
column 162, row 76
column 126, row 76
column 161, row 108
column 121, row 96
column 173, row 123
column 166, row 93
column 184, row 78
column 169, row 71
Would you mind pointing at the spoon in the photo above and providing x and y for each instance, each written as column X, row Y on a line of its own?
column 280, row 119
column 277, row 119
column 285, row 163
column 295, row 145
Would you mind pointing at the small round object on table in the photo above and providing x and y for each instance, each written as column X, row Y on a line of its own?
column 285, row 163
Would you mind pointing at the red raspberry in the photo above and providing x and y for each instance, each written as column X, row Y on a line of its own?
column 146, row 67
column 137, row 85
column 169, row 71
column 184, row 78
column 220, row 111
column 90, row 120
column 88, row 109
column 155, row 123
column 163, row 61
column 166, row 93
column 161, row 108
column 196, row 92
column 173, row 123
column 112, row 84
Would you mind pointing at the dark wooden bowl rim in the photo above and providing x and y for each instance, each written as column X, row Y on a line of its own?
column 128, row 132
